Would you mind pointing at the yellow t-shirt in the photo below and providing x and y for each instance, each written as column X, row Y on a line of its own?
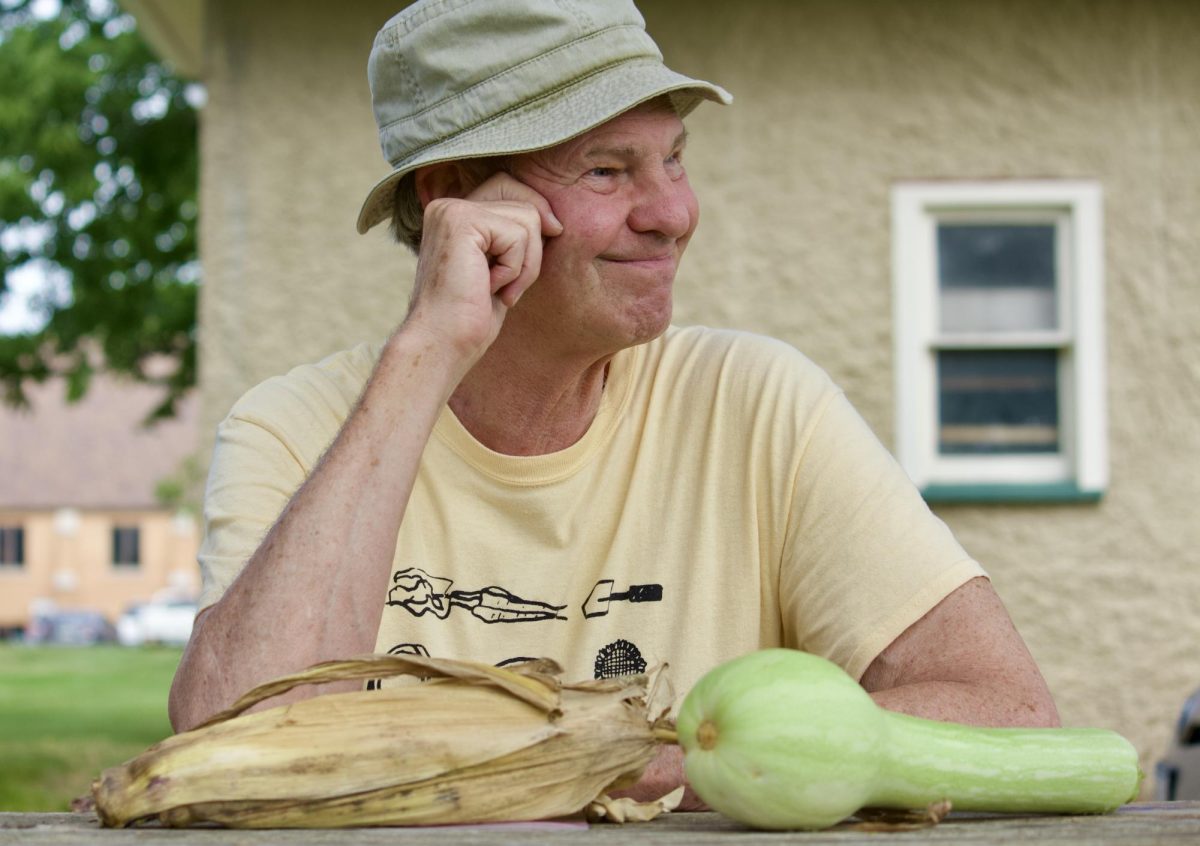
column 726, row 498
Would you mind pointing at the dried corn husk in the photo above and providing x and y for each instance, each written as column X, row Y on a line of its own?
column 624, row 809
column 473, row 743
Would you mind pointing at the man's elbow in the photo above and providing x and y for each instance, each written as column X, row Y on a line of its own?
column 186, row 701
column 183, row 702
column 177, row 710
column 1040, row 712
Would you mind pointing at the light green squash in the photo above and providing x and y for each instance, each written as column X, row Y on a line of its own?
column 780, row 739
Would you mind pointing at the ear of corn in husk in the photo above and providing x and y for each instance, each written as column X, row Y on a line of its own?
column 472, row 743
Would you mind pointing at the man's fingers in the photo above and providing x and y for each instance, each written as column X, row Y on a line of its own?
column 530, row 269
column 501, row 187
column 515, row 257
column 506, row 257
column 477, row 259
column 515, row 252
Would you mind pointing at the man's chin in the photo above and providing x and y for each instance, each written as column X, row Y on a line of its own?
column 651, row 325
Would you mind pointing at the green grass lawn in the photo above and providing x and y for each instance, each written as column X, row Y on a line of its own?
column 66, row 713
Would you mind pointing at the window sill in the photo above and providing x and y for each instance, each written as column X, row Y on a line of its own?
column 1056, row 492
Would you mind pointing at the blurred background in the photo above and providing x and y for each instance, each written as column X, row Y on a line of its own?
column 980, row 216
column 99, row 468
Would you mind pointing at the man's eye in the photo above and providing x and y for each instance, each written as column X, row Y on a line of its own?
column 603, row 171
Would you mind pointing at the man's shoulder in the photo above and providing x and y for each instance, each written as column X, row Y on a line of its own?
column 757, row 397
column 326, row 389
column 705, row 351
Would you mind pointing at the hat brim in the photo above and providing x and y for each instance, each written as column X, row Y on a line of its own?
column 547, row 121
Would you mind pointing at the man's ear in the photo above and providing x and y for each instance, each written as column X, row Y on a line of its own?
column 437, row 181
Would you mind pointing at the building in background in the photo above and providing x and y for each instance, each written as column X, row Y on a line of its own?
column 980, row 217
column 81, row 524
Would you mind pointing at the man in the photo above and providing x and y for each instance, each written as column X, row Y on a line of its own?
column 535, row 463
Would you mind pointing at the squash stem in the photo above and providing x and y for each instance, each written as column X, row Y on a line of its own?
column 664, row 734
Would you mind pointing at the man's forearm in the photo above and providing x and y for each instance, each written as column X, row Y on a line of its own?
column 313, row 590
column 973, row 704
column 963, row 662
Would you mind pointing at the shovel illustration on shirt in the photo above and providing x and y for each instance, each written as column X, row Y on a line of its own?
column 419, row 593
column 602, row 594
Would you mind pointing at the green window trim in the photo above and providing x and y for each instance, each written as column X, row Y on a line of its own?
column 1053, row 492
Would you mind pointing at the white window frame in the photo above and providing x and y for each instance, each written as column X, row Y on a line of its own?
column 1080, row 469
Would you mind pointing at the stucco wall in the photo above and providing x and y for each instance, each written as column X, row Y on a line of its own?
column 836, row 101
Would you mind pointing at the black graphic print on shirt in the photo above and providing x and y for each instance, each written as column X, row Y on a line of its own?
column 619, row 658
column 597, row 603
column 400, row 649
column 419, row 650
column 409, row 649
column 508, row 662
column 419, row 593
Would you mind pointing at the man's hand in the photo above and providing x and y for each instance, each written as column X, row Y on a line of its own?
column 663, row 775
column 478, row 255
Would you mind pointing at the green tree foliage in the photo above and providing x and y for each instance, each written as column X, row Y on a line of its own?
column 98, row 191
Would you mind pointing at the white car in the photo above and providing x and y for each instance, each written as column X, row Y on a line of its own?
column 168, row 622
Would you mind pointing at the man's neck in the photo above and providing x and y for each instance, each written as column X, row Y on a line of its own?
column 533, row 406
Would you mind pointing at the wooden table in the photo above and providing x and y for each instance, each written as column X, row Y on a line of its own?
column 1142, row 823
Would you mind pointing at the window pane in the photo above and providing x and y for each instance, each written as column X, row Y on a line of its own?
column 996, row 277
column 997, row 401
column 125, row 546
column 12, row 546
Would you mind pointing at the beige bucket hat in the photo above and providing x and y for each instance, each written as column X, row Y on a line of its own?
column 457, row 79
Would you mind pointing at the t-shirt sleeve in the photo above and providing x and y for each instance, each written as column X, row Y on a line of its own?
column 265, row 448
column 252, row 477
column 864, row 557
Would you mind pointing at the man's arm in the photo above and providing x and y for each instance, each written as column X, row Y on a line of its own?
column 963, row 662
column 314, row 588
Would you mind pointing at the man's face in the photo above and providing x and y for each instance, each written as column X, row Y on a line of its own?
column 628, row 212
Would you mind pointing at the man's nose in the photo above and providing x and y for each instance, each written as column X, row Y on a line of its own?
column 664, row 205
